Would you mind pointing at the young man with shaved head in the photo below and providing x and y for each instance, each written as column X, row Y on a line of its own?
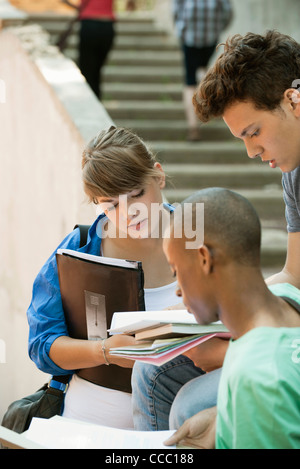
column 253, row 86
column 258, row 402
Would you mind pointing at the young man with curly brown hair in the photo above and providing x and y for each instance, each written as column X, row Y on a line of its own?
column 253, row 87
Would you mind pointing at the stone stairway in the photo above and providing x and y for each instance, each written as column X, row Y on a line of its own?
column 142, row 91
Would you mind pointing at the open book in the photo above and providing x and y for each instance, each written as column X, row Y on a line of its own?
column 151, row 322
column 162, row 335
column 62, row 433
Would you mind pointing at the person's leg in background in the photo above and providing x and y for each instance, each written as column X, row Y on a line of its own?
column 154, row 389
column 195, row 66
column 96, row 41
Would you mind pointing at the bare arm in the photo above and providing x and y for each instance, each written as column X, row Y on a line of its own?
column 74, row 354
column 198, row 431
column 70, row 4
column 291, row 271
column 130, row 5
column 209, row 355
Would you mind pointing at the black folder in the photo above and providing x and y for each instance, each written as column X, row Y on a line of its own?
column 92, row 289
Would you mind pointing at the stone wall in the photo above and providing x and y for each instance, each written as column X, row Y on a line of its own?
column 47, row 114
column 259, row 15
column 249, row 15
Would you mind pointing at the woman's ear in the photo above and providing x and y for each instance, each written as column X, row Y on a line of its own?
column 161, row 177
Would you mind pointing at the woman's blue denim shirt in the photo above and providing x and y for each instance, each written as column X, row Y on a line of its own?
column 45, row 314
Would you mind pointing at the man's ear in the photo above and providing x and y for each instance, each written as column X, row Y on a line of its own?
column 292, row 97
column 206, row 259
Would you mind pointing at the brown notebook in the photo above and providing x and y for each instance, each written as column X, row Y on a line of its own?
column 92, row 289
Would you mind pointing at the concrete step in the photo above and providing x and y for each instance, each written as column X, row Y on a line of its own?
column 274, row 244
column 56, row 24
column 136, row 74
column 143, row 82
column 145, row 58
column 273, row 256
column 140, row 29
column 140, row 17
column 135, row 32
column 128, row 43
column 268, row 202
column 221, row 175
column 142, row 91
column 216, row 152
column 155, row 43
column 174, row 131
column 128, row 58
column 119, row 109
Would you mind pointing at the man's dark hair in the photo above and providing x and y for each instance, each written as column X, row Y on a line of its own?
column 252, row 67
column 231, row 222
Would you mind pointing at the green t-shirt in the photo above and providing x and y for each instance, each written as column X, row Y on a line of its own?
column 259, row 392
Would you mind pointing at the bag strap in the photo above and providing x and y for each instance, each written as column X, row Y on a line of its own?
column 60, row 383
column 83, row 233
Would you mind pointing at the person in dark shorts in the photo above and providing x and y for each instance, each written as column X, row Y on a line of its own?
column 198, row 24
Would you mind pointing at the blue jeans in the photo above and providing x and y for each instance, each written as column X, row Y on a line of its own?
column 196, row 395
column 155, row 388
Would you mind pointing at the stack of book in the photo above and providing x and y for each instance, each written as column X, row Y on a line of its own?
column 96, row 291
column 162, row 335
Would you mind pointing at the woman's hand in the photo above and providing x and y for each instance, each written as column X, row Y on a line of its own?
column 130, row 5
column 209, row 355
column 75, row 354
column 119, row 340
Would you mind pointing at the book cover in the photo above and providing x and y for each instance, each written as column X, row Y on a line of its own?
column 160, row 352
column 92, row 289
column 177, row 330
column 163, row 335
column 131, row 322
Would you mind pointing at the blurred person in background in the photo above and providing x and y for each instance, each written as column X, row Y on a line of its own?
column 97, row 32
column 198, row 24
